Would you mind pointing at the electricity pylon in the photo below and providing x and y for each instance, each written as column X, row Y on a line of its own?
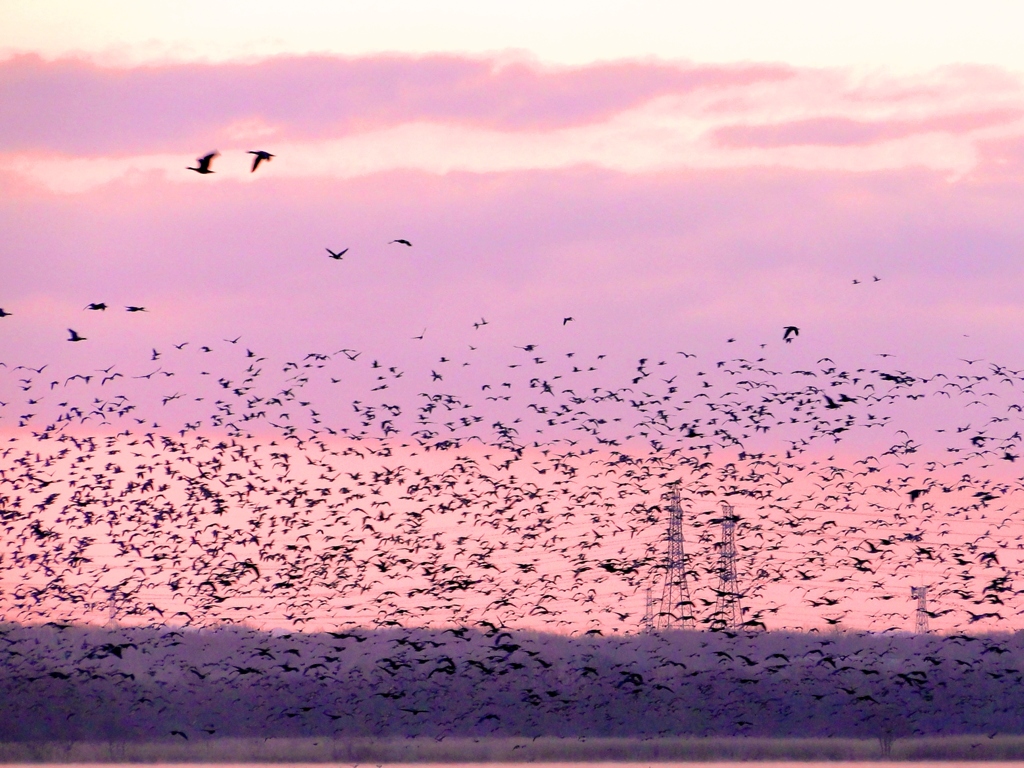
column 675, row 610
column 112, row 609
column 728, row 614
column 647, row 622
column 921, row 595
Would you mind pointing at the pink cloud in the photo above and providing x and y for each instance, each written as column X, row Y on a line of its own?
column 77, row 107
column 844, row 131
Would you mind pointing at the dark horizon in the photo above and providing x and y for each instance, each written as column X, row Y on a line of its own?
column 142, row 684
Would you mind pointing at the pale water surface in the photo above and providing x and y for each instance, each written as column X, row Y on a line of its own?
column 648, row 764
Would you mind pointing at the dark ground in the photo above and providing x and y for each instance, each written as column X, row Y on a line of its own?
column 132, row 685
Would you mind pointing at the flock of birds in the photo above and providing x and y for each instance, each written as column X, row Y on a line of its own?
column 203, row 163
column 497, row 491
column 203, row 167
column 337, row 487
column 121, row 684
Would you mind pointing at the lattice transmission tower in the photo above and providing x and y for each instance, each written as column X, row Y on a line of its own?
column 921, row 595
column 728, row 614
column 647, row 622
column 675, row 609
column 112, row 608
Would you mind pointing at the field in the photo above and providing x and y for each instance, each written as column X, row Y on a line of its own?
column 512, row 750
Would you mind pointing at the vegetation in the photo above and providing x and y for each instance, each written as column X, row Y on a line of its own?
column 235, row 694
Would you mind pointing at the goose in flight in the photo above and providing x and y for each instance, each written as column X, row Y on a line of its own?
column 204, row 163
column 260, row 157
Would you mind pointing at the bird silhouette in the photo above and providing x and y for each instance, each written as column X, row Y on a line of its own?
column 260, row 156
column 74, row 336
column 338, row 255
column 402, row 242
column 204, row 163
column 790, row 332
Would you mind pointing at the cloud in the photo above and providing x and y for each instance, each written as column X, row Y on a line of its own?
column 845, row 132
column 639, row 214
column 77, row 107
column 71, row 125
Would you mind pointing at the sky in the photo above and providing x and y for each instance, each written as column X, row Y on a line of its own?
column 905, row 35
column 688, row 172
column 586, row 178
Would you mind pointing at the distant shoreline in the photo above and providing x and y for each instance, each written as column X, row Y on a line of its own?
column 365, row 750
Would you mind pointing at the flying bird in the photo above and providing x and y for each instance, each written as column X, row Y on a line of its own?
column 337, row 255
column 204, row 163
column 790, row 332
column 567, row 320
column 403, row 242
column 74, row 335
column 4, row 313
column 135, row 309
column 96, row 306
column 260, row 157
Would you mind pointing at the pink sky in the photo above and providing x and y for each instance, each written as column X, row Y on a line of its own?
column 681, row 204
column 663, row 205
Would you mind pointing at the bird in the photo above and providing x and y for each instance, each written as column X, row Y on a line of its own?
column 789, row 333
column 260, row 157
column 135, row 309
column 96, row 306
column 402, row 242
column 567, row 320
column 74, row 335
column 204, row 163
column 4, row 313
column 338, row 255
